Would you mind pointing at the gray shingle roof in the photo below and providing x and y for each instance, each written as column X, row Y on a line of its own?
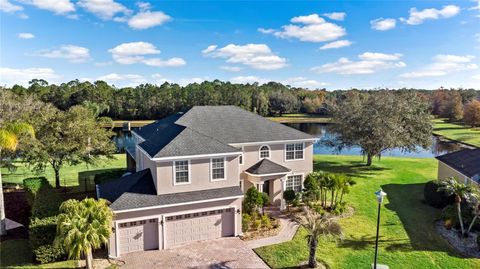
column 231, row 124
column 466, row 161
column 210, row 130
column 140, row 182
column 135, row 200
column 266, row 166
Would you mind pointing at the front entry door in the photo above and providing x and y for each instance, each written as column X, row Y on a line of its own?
column 266, row 187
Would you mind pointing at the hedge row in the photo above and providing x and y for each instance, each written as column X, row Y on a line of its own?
column 109, row 175
column 43, row 221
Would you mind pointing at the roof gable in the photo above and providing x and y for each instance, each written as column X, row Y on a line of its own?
column 466, row 161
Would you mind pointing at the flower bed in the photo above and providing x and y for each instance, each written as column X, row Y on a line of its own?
column 465, row 245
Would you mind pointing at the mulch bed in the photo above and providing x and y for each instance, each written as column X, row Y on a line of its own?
column 466, row 246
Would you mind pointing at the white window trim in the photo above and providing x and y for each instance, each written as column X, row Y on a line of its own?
column 294, row 174
column 224, row 169
column 242, row 157
column 260, row 150
column 175, row 174
column 285, row 152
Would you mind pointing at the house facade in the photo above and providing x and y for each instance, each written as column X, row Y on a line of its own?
column 464, row 165
column 190, row 171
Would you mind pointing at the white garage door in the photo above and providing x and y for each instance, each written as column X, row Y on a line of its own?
column 138, row 235
column 199, row 226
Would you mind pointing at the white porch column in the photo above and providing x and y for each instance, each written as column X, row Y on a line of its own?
column 282, row 201
column 260, row 187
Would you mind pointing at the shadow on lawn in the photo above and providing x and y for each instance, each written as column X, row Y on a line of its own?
column 352, row 168
column 418, row 219
column 368, row 241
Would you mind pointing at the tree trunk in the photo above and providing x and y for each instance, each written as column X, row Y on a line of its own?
column 57, row 177
column 471, row 224
column 459, row 211
column 89, row 259
column 312, row 261
column 369, row 159
column 3, row 229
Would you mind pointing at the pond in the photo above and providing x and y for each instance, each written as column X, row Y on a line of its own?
column 124, row 139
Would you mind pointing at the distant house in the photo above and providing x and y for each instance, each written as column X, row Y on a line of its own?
column 190, row 171
column 464, row 165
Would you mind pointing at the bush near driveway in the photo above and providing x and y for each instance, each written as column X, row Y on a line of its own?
column 43, row 221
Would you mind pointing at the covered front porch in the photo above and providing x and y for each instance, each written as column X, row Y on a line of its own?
column 270, row 178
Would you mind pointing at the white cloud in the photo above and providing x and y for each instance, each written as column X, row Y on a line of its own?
column 257, row 56
column 231, row 68
column 148, row 19
column 72, row 53
column 419, row 16
column 25, row 35
column 311, row 28
column 475, row 7
column 382, row 24
column 369, row 63
column 477, row 76
column 56, row 6
column 135, row 52
column 336, row 44
column 444, row 64
column 8, row 7
column 11, row 76
column 338, row 16
column 302, row 82
column 248, row 79
column 123, row 79
column 104, row 9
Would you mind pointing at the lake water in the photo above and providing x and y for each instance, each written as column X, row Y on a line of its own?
column 124, row 139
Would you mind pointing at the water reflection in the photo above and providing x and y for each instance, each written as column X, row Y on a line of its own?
column 124, row 139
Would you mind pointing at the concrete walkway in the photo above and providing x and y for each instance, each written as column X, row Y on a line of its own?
column 288, row 230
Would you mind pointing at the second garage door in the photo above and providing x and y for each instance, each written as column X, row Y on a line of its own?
column 203, row 225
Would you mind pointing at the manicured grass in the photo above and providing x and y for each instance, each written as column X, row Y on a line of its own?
column 299, row 118
column 407, row 235
column 133, row 123
column 18, row 254
column 72, row 175
column 457, row 132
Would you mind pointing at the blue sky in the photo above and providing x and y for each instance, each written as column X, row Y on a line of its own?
column 331, row 44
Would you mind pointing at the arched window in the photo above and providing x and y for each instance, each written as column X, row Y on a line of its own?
column 264, row 152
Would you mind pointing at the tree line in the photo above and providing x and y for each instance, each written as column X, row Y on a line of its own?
column 148, row 101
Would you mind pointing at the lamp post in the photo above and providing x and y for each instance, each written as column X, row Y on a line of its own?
column 380, row 194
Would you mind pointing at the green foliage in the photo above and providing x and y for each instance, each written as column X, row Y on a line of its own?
column 435, row 197
column 266, row 223
column 42, row 231
column 265, row 199
column 257, row 223
column 253, row 199
column 450, row 213
column 109, row 175
column 289, row 196
column 49, row 253
column 246, row 220
column 32, row 186
column 381, row 121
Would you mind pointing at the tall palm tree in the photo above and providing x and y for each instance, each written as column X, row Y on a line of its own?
column 82, row 227
column 317, row 226
column 461, row 191
column 10, row 134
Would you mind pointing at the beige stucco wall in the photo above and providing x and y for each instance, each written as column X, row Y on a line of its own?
column 199, row 176
column 177, row 210
column 445, row 171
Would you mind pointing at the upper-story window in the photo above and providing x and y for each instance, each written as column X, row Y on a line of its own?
column 182, row 172
column 218, row 168
column 264, row 152
column 294, row 151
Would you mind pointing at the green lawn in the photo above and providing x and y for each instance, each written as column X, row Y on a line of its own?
column 72, row 175
column 408, row 238
column 457, row 132
column 299, row 118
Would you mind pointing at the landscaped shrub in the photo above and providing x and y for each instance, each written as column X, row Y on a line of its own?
column 449, row 213
column 289, row 196
column 256, row 224
column 43, row 226
column 32, row 186
column 266, row 223
column 109, row 175
column 246, row 220
column 48, row 254
column 435, row 198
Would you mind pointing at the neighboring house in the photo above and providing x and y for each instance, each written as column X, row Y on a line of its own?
column 464, row 165
column 190, row 171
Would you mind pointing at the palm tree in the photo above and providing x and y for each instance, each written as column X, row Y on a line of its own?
column 82, row 227
column 461, row 191
column 9, row 137
column 317, row 226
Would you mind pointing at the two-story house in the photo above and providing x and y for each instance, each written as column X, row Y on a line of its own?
column 190, row 171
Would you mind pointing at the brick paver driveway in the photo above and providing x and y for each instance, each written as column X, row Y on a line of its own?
column 213, row 254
